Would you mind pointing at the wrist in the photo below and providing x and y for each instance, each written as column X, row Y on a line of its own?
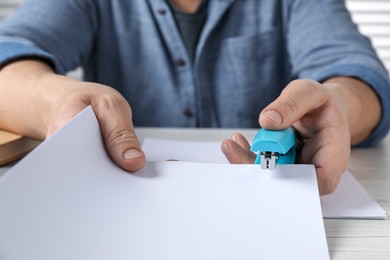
column 361, row 104
column 26, row 108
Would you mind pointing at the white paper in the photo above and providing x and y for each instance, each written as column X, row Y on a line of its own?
column 349, row 200
column 67, row 200
column 190, row 151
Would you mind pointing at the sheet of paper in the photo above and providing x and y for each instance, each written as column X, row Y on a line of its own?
column 68, row 200
column 350, row 200
column 163, row 150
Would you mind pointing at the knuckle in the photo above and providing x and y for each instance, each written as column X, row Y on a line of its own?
column 307, row 86
column 121, row 136
column 108, row 102
column 291, row 105
column 107, row 99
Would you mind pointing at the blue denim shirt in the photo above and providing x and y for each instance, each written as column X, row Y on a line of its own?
column 247, row 52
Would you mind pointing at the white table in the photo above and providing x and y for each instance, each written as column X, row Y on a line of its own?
column 347, row 239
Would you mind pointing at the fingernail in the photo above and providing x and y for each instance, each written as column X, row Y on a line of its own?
column 226, row 148
column 274, row 116
column 132, row 154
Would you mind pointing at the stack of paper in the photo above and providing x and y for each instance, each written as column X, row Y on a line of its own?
column 68, row 200
column 349, row 200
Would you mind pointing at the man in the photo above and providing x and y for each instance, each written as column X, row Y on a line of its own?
column 192, row 63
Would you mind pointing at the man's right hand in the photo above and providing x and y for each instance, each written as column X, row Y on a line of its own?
column 39, row 102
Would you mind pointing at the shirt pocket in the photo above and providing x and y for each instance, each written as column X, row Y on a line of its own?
column 257, row 63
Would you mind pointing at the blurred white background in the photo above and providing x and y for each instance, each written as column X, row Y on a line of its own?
column 7, row 6
column 372, row 16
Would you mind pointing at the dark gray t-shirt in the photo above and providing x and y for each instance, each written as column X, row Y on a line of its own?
column 190, row 25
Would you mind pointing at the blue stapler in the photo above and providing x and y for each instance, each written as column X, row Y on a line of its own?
column 274, row 147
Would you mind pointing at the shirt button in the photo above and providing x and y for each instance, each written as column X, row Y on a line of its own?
column 161, row 11
column 187, row 112
column 180, row 62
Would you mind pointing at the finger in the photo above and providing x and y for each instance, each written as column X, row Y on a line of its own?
column 241, row 141
column 237, row 154
column 329, row 152
column 114, row 116
column 328, row 176
column 297, row 99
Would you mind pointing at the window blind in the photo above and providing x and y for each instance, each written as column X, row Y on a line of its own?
column 7, row 7
column 373, row 19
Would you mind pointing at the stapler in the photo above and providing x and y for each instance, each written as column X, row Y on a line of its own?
column 274, row 147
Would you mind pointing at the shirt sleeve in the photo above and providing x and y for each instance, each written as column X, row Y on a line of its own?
column 60, row 32
column 323, row 42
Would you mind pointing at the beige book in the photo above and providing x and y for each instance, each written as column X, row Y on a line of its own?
column 14, row 147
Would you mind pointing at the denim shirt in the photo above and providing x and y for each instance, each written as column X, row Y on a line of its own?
column 248, row 51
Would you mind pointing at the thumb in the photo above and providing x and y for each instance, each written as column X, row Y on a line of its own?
column 297, row 99
column 119, row 136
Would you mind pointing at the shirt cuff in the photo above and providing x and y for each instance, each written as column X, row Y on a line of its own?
column 380, row 85
column 11, row 51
